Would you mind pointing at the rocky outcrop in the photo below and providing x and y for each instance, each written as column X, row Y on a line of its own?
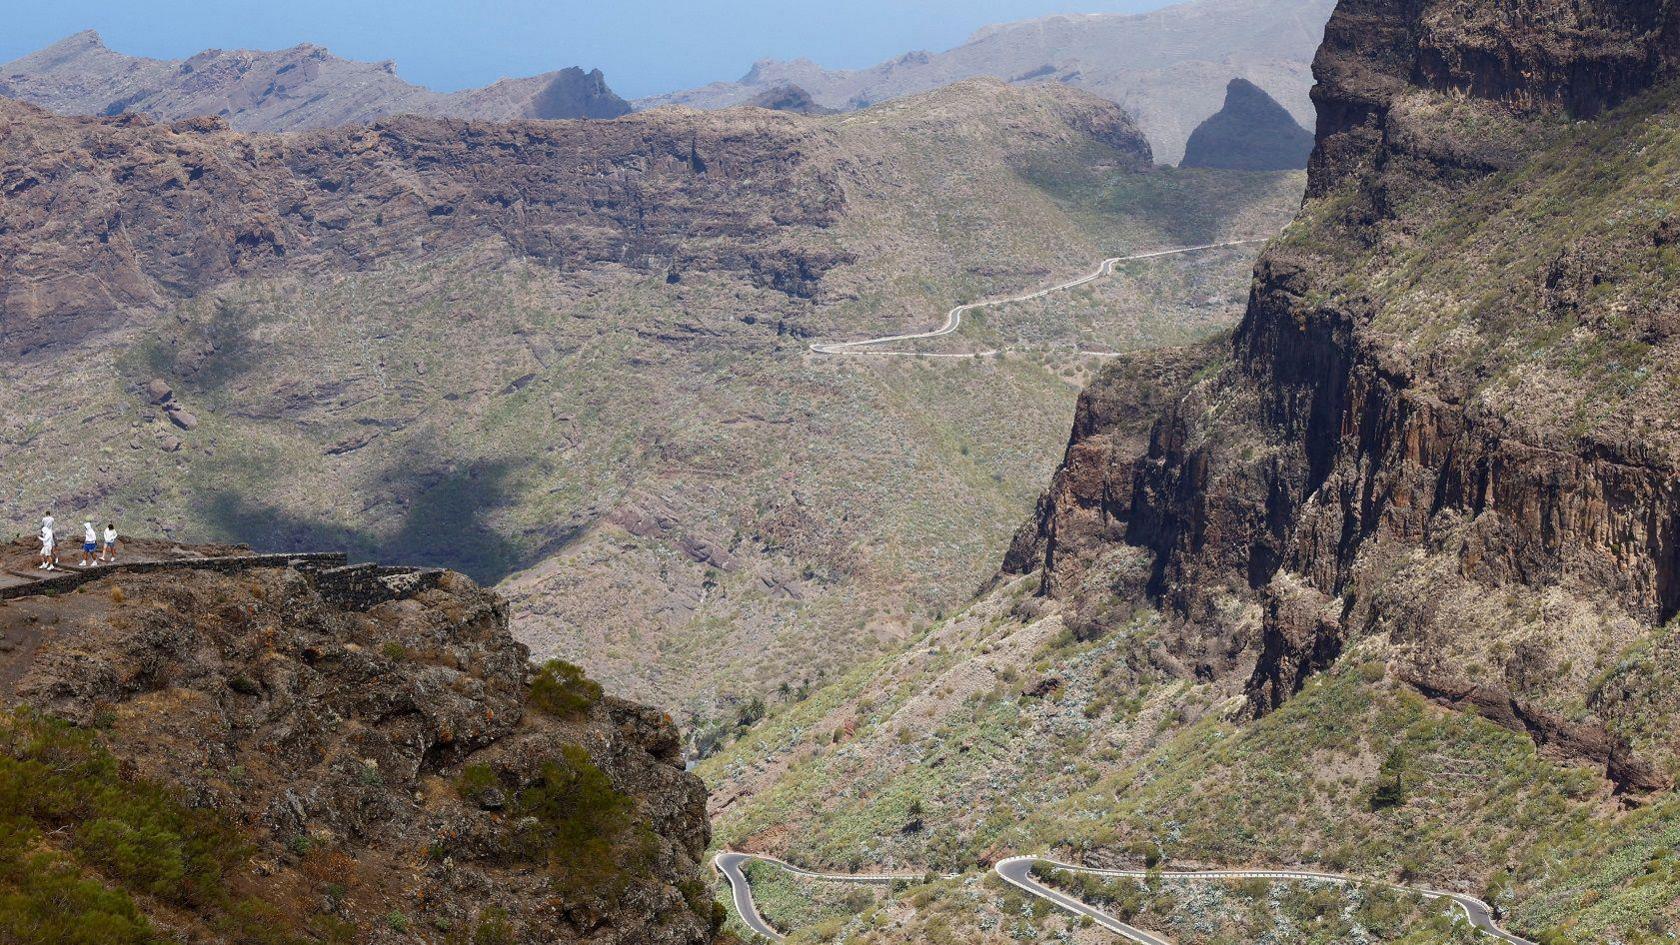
column 1356, row 476
column 379, row 752
column 281, row 90
column 101, row 215
column 1570, row 740
column 1530, row 55
column 1251, row 132
column 568, row 93
column 789, row 98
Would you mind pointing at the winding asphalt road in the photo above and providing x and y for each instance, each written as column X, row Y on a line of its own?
column 729, row 864
column 1017, row 871
column 953, row 318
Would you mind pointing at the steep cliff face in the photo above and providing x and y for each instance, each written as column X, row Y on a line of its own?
column 102, row 215
column 1532, row 56
column 1446, row 421
column 377, row 759
column 573, row 93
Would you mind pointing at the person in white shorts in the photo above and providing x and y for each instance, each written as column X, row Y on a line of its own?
column 49, row 545
column 109, row 552
column 90, row 544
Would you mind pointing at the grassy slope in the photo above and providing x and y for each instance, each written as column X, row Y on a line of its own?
column 98, row 848
column 86, row 854
column 1241, row 911
column 810, row 906
column 1115, row 763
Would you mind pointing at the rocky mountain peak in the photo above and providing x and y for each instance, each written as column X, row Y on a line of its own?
column 86, row 39
column 789, row 98
column 1252, row 132
column 573, row 93
column 302, row 87
column 763, row 69
column 1168, row 67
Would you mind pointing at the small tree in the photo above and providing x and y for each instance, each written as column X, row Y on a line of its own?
column 1390, row 789
column 751, row 713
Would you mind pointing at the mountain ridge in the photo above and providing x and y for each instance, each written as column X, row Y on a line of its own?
column 1384, row 444
column 1147, row 62
column 302, row 87
column 335, row 199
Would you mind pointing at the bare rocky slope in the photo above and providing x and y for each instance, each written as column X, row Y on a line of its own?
column 1167, row 67
column 298, row 752
column 107, row 216
column 280, row 90
column 571, row 358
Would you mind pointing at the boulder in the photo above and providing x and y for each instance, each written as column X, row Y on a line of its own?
column 180, row 417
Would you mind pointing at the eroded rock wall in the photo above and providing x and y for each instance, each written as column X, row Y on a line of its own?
column 104, row 215
column 1352, row 485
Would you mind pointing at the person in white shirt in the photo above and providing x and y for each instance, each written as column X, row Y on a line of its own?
column 109, row 553
column 49, row 545
column 90, row 544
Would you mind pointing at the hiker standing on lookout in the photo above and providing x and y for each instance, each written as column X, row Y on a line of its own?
column 90, row 544
column 49, row 545
column 109, row 553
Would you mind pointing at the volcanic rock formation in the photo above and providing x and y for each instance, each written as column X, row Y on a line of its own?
column 1252, row 132
column 1442, row 423
column 371, row 743
column 789, row 98
column 104, row 214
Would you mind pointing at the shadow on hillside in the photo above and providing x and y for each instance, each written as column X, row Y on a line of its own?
column 1187, row 206
column 444, row 523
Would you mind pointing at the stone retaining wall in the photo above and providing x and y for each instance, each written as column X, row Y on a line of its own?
column 356, row 586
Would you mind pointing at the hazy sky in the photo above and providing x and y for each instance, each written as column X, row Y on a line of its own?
column 644, row 46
